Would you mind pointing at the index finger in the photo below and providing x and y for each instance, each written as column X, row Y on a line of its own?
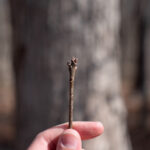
column 87, row 130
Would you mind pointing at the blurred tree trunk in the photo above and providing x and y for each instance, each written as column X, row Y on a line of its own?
column 7, row 101
column 146, row 55
column 132, row 58
column 130, row 38
column 46, row 33
column 136, row 72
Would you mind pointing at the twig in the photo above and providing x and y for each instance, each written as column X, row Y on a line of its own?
column 72, row 70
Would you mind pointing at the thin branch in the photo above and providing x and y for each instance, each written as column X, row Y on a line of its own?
column 72, row 66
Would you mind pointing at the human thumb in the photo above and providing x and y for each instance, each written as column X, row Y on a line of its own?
column 69, row 140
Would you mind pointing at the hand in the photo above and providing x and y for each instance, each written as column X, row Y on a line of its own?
column 61, row 138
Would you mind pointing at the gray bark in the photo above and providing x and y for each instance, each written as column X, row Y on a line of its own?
column 46, row 34
column 132, row 57
column 146, row 45
column 136, row 72
column 131, row 43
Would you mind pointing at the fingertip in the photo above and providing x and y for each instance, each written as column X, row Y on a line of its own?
column 95, row 129
column 88, row 130
column 99, row 128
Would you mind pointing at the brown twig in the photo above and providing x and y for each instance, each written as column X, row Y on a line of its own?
column 72, row 70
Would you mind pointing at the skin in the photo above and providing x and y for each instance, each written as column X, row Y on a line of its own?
column 61, row 138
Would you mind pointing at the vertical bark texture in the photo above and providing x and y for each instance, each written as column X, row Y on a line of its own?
column 46, row 34
column 6, row 76
column 146, row 70
column 136, row 72
column 132, row 28
column 130, row 32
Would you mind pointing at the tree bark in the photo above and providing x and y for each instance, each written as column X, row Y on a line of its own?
column 136, row 72
column 7, row 100
column 46, row 34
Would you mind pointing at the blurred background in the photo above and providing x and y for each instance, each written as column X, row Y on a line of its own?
column 111, row 39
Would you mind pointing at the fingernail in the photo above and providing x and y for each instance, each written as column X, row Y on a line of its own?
column 100, row 127
column 69, row 141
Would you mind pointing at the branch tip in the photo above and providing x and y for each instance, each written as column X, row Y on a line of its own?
column 72, row 66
